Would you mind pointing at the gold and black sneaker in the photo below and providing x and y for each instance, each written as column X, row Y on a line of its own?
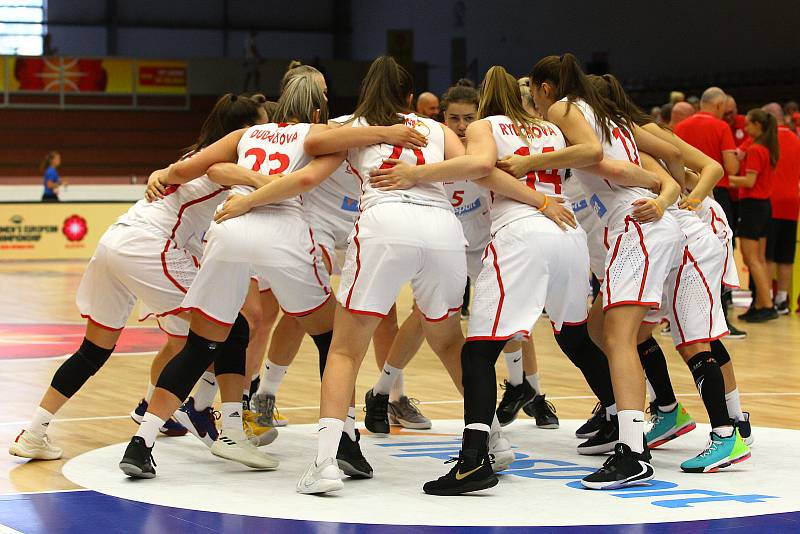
column 473, row 469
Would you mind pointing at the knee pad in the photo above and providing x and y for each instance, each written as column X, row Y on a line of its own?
column 720, row 353
column 574, row 341
column 186, row 368
column 79, row 368
column 477, row 356
column 647, row 347
column 323, row 343
column 233, row 356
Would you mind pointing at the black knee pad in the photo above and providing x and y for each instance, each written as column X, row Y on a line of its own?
column 232, row 359
column 323, row 343
column 79, row 368
column 574, row 341
column 720, row 353
column 647, row 347
column 184, row 370
column 477, row 356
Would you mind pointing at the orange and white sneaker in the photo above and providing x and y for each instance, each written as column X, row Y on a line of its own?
column 29, row 445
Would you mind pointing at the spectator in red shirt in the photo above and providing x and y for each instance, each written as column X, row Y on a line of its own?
column 706, row 131
column 782, row 239
column 755, row 210
column 792, row 115
column 680, row 112
column 735, row 121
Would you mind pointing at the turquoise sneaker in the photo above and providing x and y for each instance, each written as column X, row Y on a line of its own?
column 720, row 452
column 669, row 425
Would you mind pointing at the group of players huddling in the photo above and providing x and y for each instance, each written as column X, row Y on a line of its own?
column 528, row 188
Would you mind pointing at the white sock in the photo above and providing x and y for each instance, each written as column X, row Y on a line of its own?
column 350, row 423
column 231, row 413
column 385, row 382
column 148, row 428
column 611, row 410
column 397, row 388
column 650, row 391
column 631, row 429
column 514, row 364
column 150, row 390
column 533, row 380
column 40, row 422
column 781, row 296
column 734, row 405
column 273, row 376
column 495, row 425
column 723, row 431
column 206, row 391
column 478, row 426
column 329, row 434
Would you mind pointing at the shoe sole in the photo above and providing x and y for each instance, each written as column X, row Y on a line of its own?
column 598, row 449
column 321, row 486
column 348, row 469
column 638, row 480
column 136, row 417
column 134, row 471
column 586, row 435
column 251, row 464
column 14, row 450
column 549, row 426
column 394, row 421
column 468, row 487
column 184, row 419
column 502, row 461
column 716, row 467
column 665, row 439
column 264, row 439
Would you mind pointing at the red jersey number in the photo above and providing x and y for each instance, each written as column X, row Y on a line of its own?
column 261, row 155
column 545, row 176
column 458, row 198
column 397, row 151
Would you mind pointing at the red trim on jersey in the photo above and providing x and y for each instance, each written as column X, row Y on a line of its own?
column 500, row 286
column 610, row 263
column 358, row 268
column 101, row 325
column 646, row 256
column 175, row 311
column 605, row 237
column 328, row 256
column 365, row 312
column 307, row 312
column 443, row 317
column 166, row 270
column 207, row 316
column 652, row 305
column 553, row 325
column 675, row 294
column 314, row 263
column 706, row 340
column 525, row 333
column 708, row 291
column 730, row 285
column 265, row 290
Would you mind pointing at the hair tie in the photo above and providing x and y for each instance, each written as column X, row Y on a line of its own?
column 234, row 98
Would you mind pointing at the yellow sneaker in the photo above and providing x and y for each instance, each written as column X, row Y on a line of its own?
column 257, row 434
column 280, row 419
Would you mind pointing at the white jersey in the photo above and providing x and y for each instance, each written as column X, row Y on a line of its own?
column 711, row 213
column 538, row 138
column 337, row 196
column 365, row 159
column 274, row 149
column 611, row 201
column 468, row 200
column 182, row 216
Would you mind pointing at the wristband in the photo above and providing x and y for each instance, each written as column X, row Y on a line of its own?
column 693, row 203
column 659, row 209
column 544, row 205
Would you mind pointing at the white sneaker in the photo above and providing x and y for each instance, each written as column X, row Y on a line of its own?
column 239, row 449
column 321, row 478
column 500, row 451
column 29, row 445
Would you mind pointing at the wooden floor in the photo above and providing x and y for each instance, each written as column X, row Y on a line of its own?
column 767, row 368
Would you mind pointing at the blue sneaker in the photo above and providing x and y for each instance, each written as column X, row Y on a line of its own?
column 200, row 423
column 720, row 452
column 668, row 425
column 171, row 427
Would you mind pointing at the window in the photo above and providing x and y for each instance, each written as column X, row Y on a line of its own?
column 21, row 27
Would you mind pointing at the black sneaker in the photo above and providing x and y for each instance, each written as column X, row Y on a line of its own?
column 138, row 462
column 744, row 429
column 350, row 458
column 377, row 408
column 543, row 411
column 750, row 311
column 473, row 469
column 735, row 333
column 514, row 398
column 604, row 440
column 592, row 425
column 762, row 315
column 782, row 307
column 625, row 468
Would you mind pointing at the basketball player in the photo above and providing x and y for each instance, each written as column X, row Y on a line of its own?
column 400, row 236
column 148, row 254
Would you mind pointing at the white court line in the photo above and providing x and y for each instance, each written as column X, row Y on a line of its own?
column 316, row 407
column 8, row 530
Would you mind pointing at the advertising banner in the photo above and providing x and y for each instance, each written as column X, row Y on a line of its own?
column 54, row 231
column 162, row 77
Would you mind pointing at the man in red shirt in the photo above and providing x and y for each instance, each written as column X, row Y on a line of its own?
column 680, row 112
column 785, row 200
column 735, row 121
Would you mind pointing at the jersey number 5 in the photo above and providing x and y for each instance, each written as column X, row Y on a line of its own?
column 261, row 155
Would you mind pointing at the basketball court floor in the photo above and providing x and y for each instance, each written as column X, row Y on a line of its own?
column 196, row 492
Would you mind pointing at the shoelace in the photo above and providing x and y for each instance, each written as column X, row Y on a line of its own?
column 411, row 405
column 550, row 407
column 711, row 447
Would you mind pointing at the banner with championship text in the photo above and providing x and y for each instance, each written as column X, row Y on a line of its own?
column 54, row 231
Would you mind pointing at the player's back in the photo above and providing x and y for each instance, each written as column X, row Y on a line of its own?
column 365, row 159
column 538, row 138
column 274, row 149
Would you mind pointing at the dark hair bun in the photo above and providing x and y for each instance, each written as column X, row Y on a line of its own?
column 464, row 82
